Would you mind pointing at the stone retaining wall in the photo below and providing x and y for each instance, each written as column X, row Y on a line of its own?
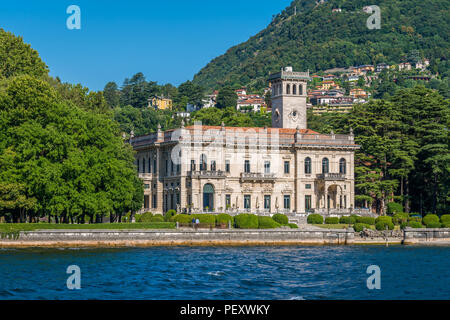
column 178, row 237
column 423, row 236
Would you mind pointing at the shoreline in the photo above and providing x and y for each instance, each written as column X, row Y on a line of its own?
column 207, row 238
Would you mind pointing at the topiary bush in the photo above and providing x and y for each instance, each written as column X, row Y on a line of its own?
column 446, row 225
column 431, row 219
column 267, row 223
column 332, row 220
column 383, row 219
column 157, row 218
column 144, row 218
column 445, row 218
column 366, row 220
column 400, row 218
column 394, row 207
column 315, row 219
column 281, row 218
column 361, row 226
column 205, row 218
column 224, row 219
column 434, row 225
column 415, row 224
column 384, row 225
column 347, row 220
column 293, row 226
column 416, row 219
column 169, row 215
column 246, row 221
column 182, row 218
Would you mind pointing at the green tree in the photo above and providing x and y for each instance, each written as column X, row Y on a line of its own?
column 227, row 97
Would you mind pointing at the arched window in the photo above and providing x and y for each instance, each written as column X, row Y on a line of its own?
column 300, row 89
column 294, row 89
column 308, row 165
column 288, row 89
column 342, row 166
column 203, row 162
column 325, row 165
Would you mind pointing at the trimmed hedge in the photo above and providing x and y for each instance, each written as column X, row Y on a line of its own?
column 224, row 218
column 431, row 219
column 400, row 218
column 281, row 218
column 366, row 220
column 415, row 224
column 445, row 218
column 332, row 220
column 347, row 220
column 383, row 225
column 434, row 225
column 157, row 218
column 169, row 215
column 361, row 226
column 293, row 226
column 205, row 218
column 267, row 223
column 144, row 218
column 383, row 219
column 315, row 219
column 416, row 219
column 446, row 225
column 182, row 218
column 394, row 207
column 246, row 221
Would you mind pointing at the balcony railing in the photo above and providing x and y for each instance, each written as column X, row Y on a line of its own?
column 331, row 176
column 254, row 176
column 206, row 174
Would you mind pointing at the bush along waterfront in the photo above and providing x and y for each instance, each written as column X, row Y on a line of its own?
column 398, row 220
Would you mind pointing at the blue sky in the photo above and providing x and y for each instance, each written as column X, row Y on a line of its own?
column 169, row 41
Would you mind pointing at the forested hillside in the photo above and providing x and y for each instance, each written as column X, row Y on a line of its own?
column 316, row 38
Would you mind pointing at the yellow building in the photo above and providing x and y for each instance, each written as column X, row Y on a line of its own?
column 160, row 103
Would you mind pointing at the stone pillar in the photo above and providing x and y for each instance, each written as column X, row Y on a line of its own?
column 159, row 182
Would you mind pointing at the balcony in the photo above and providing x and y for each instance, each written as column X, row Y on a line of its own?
column 331, row 176
column 206, row 174
column 252, row 176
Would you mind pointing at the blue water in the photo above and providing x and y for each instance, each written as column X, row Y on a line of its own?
column 281, row 273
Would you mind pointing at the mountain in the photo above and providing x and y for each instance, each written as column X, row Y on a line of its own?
column 309, row 35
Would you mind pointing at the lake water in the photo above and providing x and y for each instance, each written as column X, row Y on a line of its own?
column 230, row 273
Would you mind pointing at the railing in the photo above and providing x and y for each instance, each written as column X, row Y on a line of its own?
column 331, row 176
column 257, row 176
column 206, row 174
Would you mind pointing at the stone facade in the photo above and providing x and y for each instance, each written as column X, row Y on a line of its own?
column 286, row 168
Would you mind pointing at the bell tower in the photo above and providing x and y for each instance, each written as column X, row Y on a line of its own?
column 289, row 98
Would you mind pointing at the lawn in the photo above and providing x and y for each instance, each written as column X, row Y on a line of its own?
column 332, row 226
column 17, row 227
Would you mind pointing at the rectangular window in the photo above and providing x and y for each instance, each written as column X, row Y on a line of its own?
column 308, row 187
column 247, row 166
column 345, row 202
column 228, row 201
column 227, row 166
column 149, row 165
column 267, row 202
column 189, row 202
column 154, row 204
column 172, row 166
column 192, row 165
column 247, row 200
column 213, row 165
column 178, row 198
column 287, row 202
column 146, row 186
column 154, row 166
column 286, row 167
column 137, row 165
column 267, row 167
column 146, row 202
column 307, row 203
column 167, row 166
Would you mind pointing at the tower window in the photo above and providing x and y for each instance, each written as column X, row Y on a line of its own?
column 288, row 89
column 300, row 89
column 294, row 89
